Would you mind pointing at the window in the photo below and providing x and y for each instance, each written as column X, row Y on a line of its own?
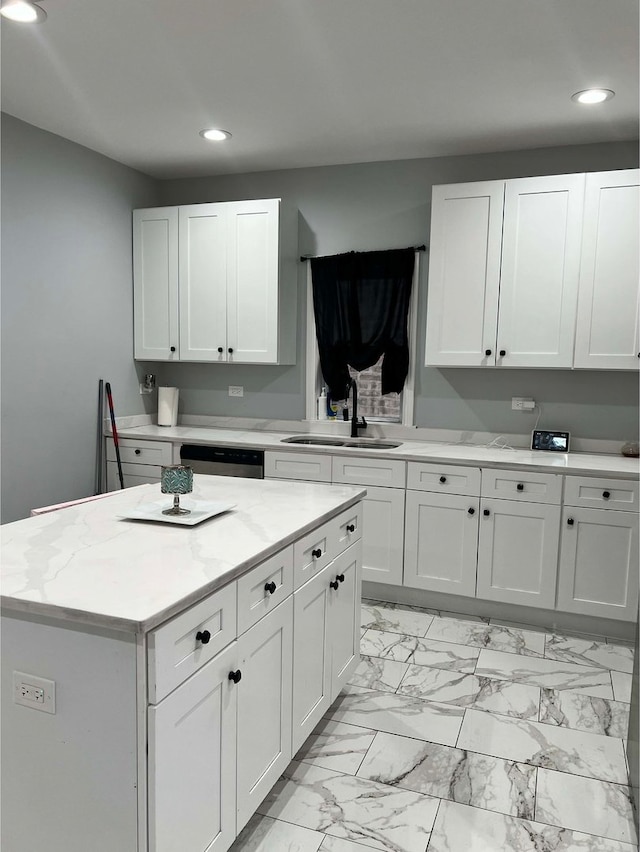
column 391, row 408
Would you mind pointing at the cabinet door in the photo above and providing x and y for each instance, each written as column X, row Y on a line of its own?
column 264, row 708
column 599, row 563
column 192, row 762
column 311, row 662
column 383, row 542
column 155, row 283
column 607, row 326
column 539, row 275
column 203, row 282
column 252, row 285
column 464, row 274
column 441, row 542
column 518, row 552
column 344, row 615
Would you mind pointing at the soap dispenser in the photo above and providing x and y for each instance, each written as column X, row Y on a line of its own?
column 322, row 404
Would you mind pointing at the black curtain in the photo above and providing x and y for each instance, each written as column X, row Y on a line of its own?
column 361, row 304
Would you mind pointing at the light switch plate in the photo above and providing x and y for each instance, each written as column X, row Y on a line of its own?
column 39, row 693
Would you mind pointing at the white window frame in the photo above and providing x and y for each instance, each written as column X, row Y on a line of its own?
column 312, row 372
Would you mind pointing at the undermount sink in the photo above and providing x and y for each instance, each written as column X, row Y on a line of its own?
column 357, row 443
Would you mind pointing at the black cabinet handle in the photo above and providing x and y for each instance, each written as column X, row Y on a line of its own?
column 316, row 553
column 503, row 352
column 520, row 486
column 340, row 578
column 471, row 511
column 236, row 677
column 606, row 494
column 270, row 587
column 443, row 479
column 486, row 513
column 351, row 527
column 137, row 452
column 220, row 349
column 570, row 521
column 203, row 636
column 173, row 348
column 334, row 585
column 230, row 351
column 487, row 352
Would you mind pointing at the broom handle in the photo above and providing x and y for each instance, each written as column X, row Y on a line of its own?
column 115, row 432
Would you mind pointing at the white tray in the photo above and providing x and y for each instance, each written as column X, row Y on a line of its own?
column 200, row 511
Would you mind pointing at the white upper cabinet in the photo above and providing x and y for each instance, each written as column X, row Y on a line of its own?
column 464, row 274
column 539, row 272
column 216, row 283
column 155, row 283
column 607, row 328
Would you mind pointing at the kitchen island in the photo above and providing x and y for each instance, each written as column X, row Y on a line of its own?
column 157, row 678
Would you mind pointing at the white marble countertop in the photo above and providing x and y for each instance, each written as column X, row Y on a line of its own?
column 83, row 563
column 586, row 464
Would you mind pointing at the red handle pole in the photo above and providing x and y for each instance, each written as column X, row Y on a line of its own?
column 115, row 432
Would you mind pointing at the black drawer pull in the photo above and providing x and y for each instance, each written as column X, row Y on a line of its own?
column 606, row 494
column 203, row 636
column 351, row 527
column 334, row 584
column 220, row 349
column 570, row 521
column 340, row 578
column 520, row 486
column 487, row 352
column 471, row 511
column 486, row 513
column 173, row 348
column 270, row 587
column 137, row 452
column 503, row 352
column 317, row 553
column 443, row 479
column 230, row 351
column 236, row 677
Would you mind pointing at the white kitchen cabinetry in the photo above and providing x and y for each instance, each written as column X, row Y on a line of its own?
column 598, row 571
column 607, row 326
column 326, row 639
column 141, row 461
column 503, row 278
column 441, row 528
column 216, row 283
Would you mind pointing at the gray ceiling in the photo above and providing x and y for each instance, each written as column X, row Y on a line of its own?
column 318, row 82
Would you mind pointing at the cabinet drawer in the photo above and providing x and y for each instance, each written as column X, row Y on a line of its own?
column 443, row 478
column 315, row 468
column 174, row 652
column 140, row 452
column 384, row 472
column 312, row 552
column 599, row 493
column 521, row 485
column 263, row 588
column 132, row 474
column 347, row 529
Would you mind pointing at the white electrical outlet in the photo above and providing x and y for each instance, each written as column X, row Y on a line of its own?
column 236, row 390
column 522, row 403
column 35, row 692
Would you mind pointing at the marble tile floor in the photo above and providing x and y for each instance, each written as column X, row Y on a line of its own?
column 460, row 734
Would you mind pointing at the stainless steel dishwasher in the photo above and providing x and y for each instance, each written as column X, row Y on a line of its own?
column 223, row 461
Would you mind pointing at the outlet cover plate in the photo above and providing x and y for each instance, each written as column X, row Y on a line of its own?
column 39, row 693
column 236, row 390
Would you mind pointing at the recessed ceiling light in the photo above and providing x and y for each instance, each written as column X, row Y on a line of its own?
column 215, row 135
column 593, row 96
column 22, row 11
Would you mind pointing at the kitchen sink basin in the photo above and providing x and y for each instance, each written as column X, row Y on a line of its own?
column 364, row 443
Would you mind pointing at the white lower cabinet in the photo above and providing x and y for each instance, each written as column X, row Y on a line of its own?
column 599, row 563
column 441, row 542
column 141, row 462
column 192, row 762
column 326, row 639
column 383, row 543
column 518, row 552
column 265, row 662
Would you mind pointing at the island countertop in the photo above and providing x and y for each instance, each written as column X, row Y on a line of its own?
column 87, row 564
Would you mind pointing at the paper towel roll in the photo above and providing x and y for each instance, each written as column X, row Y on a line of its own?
column 167, row 406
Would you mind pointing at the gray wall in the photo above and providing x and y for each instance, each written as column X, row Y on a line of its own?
column 66, row 310
column 387, row 205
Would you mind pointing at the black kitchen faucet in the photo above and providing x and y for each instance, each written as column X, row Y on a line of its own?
column 355, row 424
